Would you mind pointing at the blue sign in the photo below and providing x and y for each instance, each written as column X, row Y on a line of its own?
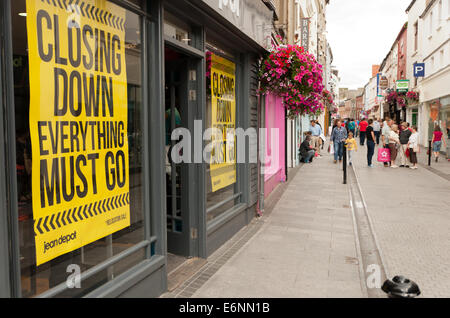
column 419, row 70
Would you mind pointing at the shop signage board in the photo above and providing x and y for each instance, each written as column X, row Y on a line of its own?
column 223, row 92
column 402, row 86
column 305, row 33
column 251, row 17
column 78, row 123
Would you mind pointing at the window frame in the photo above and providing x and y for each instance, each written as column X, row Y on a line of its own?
column 153, row 243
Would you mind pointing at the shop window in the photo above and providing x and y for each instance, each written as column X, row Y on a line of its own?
column 177, row 29
column 120, row 95
column 222, row 177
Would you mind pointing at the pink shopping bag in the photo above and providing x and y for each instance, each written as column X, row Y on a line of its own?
column 384, row 155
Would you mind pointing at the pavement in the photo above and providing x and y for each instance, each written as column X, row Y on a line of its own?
column 441, row 168
column 306, row 247
column 410, row 212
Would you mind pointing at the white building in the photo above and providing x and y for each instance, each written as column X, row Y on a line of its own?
column 415, row 113
column 435, row 49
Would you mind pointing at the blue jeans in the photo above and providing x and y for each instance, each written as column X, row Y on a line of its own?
column 310, row 155
column 338, row 150
column 370, row 151
column 362, row 137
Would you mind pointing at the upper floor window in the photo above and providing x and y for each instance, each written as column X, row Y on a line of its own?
column 431, row 24
column 416, row 36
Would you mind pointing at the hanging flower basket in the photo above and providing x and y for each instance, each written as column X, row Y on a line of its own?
column 412, row 97
column 401, row 102
column 327, row 99
column 290, row 72
column 391, row 98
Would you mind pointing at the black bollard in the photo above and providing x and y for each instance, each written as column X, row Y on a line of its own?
column 401, row 287
column 345, row 162
column 429, row 153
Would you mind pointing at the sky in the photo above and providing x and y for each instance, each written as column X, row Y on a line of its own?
column 361, row 33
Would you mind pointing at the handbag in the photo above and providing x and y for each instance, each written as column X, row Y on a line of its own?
column 384, row 155
column 407, row 153
column 331, row 149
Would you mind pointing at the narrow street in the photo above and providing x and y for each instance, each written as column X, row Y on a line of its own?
column 308, row 247
column 411, row 219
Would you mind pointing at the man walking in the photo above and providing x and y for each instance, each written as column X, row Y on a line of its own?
column 316, row 131
column 370, row 143
column 338, row 137
column 404, row 139
column 377, row 130
column 362, row 131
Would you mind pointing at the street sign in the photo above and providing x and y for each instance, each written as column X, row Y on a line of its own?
column 384, row 82
column 402, row 86
column 419, row 70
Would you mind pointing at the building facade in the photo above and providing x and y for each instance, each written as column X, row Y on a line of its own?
column 155, row 62
column 435, row 49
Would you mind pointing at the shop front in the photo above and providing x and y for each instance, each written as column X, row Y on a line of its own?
column 102, row 193
column 275, row 159
column 440, row 117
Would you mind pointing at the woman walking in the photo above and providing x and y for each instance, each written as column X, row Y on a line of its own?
column 394, row 143
column 413, row 146
column 437, row 141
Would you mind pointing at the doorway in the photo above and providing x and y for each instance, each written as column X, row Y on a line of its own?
column 177, row 196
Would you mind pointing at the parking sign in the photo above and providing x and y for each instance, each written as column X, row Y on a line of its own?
column 419, row 70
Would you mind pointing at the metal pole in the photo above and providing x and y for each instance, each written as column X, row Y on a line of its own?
column 429, row 153
column 345, row 162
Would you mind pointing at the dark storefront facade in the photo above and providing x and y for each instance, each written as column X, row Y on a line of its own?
column 169, row 50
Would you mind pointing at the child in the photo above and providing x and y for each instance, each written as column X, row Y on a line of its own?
column 351, row 146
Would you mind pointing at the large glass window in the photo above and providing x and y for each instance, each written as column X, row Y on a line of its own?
column 37, row 279
column 222, row 178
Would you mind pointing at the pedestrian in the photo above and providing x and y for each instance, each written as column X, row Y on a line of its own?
column 385, row 135
column 404, row 139
column 362, row 131
column 351, row 146
column 377, row 130
column 357, row 128
column 306, row 151
column 437, row 141
column 370, row 135
column 338, row 137
column 352, row 127
column 413, row 145
column 316, row 131
column 322, row 139
column 394, row 144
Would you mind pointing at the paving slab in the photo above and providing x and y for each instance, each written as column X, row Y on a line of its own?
column 410, row 211
column 306, row 247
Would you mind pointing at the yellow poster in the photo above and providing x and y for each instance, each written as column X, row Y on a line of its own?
column 78, row 123
column 223, row 92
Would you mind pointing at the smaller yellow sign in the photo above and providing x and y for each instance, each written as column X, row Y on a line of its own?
column 223, row 92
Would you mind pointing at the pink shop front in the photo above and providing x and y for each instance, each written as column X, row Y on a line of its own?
column 275, row 154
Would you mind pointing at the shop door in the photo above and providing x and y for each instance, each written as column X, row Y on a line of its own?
column 176, row 116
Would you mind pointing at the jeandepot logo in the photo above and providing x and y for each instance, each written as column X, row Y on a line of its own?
column 64, row 239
